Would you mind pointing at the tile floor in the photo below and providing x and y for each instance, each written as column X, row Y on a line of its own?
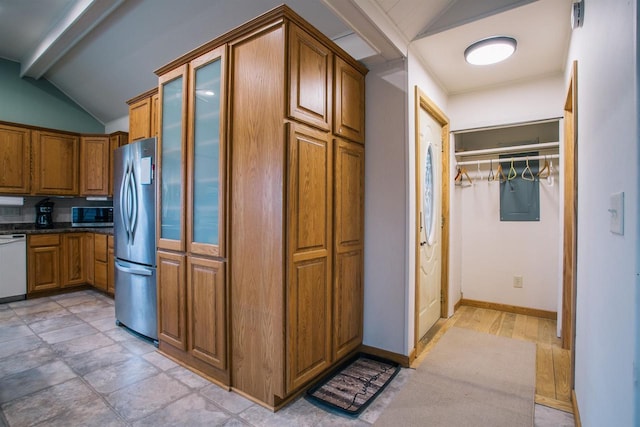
column 64, row 362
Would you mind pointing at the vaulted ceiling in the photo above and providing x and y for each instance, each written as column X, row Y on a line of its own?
column 103, row 52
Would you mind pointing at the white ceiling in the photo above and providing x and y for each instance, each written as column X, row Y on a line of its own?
column 103, row 52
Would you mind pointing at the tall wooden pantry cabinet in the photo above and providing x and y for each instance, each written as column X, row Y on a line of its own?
column 260, row 219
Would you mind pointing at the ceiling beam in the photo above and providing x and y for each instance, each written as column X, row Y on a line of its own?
column 373, row 25
column 81, row 18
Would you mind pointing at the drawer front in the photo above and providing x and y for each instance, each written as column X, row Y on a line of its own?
column 44, row 240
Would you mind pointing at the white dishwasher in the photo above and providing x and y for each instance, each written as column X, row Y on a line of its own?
column 13, row 267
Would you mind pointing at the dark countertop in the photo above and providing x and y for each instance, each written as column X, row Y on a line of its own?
column 58, row 227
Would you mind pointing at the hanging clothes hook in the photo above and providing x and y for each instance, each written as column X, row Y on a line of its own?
column 500, row 174
column 491, row 176
column 550, row 174
column 544, row 172
column 527, row 175
column 512, row 172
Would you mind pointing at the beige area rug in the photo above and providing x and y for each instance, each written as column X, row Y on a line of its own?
column 469, row 379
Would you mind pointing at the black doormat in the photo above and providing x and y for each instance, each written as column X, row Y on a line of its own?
column 354, row 385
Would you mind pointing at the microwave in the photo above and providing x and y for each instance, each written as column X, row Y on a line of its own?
column 97, row 216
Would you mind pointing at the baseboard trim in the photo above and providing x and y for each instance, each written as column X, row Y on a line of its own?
column 511, row 308
column 560, row 405
column 402, row 360
column 576, row 411
column 457, row 305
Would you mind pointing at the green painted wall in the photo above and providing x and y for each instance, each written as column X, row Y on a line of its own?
column 39, row 103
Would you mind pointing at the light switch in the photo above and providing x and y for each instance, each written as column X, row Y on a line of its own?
column 616, row 210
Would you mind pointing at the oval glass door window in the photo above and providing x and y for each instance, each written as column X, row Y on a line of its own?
column 427, row 198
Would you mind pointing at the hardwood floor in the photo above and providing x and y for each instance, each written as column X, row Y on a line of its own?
column 552, row 361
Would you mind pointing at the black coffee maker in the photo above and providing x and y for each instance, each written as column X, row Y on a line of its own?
column 44, row 214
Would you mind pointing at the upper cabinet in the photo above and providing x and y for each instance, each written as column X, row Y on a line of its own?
column 55, row 159
column 310, row 74
column 143, row 115
column 94, row 165
column 15, row 158
column 348, row 114
column 117, row 139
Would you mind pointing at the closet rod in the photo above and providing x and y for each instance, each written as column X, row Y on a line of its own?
column 513, row 149
column 507, row 160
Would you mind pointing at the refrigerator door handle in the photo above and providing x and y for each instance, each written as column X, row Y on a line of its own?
column 134, row 203
column 136, row 271
column 123, row 200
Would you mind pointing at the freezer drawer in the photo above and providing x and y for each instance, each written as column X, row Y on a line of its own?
column 135, row 297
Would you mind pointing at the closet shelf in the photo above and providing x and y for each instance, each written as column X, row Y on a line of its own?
column 507, row 160
column 513, row 149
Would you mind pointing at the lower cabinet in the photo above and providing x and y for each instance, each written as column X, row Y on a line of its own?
column 100, row 262
column 43, row 262
column 111, row 272
column 192, row 312
column 73, row 260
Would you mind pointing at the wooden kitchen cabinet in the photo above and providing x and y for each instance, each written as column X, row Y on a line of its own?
column 111, row 288
column 348, row 113
column 117, row 139
column 293, row 291
column 43, row 261
column 73, row 260
column 348, row 213
column 95, row 153
column 100, row 261
column 89, row 258
column 15, row 160
column 143, row 115
column 56, row 160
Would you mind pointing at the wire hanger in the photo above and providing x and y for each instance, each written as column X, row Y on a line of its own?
column 550, row 175
column 491, row 176
column 512, row 172
column 544, row 172
column 479, row 173
column 500, row 176
column 527, row 175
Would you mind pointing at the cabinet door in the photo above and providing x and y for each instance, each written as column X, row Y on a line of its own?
column 111, row 288
column 309, row 237
column 15, row 160
column 310, row 79
column 89, row 258
column 206, row 155
column 56, row 158
column 155, row 109
column 115, row 140
column 73, row 261
column 94, row 165
column 348, row 118
column 348, row 237
column 171, row 159
column 43, row 262
column 140, row 119
column 172, row 304
column 100, row 261
column 207, row 311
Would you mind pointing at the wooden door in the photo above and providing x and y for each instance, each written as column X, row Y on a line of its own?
column 73, row 271
column 100, row 261
column 429, row 147
column 111, row 288
column 89, row 258
column 94, row 165
column 56, row 158
column 43, row 262
column 348, row 110
column 15, row 160
column 310, row 79
column 207, row 311
column 116, row 140
column 348, row 268
column 140, row 119
column 172, row 303
column 309, row 236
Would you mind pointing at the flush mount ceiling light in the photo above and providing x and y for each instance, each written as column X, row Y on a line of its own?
column 490, row 51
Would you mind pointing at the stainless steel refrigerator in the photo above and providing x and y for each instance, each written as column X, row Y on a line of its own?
column 134, row 202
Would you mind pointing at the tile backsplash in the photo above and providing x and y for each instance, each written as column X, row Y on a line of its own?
column 61, row 209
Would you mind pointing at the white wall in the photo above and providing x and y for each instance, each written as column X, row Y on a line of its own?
column 606, row 332
column 494, row 251
column 514, row 103
column 386, row 205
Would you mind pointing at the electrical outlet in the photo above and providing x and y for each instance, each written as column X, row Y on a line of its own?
column 517, row 281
